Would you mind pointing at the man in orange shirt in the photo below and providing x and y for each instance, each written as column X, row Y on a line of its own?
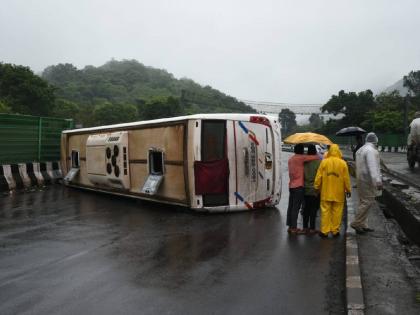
column 296, row 186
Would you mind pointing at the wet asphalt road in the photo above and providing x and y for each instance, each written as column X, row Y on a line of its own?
column 68, row 251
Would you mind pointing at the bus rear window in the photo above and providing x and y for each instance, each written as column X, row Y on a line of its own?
column 213, row 134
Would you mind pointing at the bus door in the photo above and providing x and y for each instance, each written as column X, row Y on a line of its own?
column 212, row 172
column 254, row 162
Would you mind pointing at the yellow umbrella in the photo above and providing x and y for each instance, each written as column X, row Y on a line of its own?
column 307, row 137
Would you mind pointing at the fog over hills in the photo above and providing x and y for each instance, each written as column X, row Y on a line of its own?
column 398, row 86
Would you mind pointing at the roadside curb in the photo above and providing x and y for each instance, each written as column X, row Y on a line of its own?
column 401, row 177
column 399, row 208
column 354, row 290
column 403, row 212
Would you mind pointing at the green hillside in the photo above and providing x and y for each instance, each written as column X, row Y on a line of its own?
column 127, row 90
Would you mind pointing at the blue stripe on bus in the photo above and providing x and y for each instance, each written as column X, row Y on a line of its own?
column 245, row 129
column 239, row 196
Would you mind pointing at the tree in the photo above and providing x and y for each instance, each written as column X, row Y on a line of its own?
column 288, row 121
column 4, row 108
column 108, row 113
column 315, row 121
column 354, row 106
column 65, row 109
column 412, row 82
column 330, row 127
column 60, row 73
column 126, row 81
column 388, row 121
column 160, row 107
column 24, row 92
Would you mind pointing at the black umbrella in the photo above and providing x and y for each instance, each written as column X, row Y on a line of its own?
column 350, row 131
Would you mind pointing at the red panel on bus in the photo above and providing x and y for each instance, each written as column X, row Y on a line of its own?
column 211, row 177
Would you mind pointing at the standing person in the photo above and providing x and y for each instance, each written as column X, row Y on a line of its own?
column 333, row 180
column 296, row 188
column 369, row 181
column 311, row 205
column 414, row 135
column 359, row 144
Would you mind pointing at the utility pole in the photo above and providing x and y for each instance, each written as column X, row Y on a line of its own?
column 406, row 106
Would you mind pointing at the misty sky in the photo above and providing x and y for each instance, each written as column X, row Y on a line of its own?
column 281, row 51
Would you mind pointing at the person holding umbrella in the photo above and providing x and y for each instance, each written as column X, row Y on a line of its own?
column 311, row 205
column 353, row 131
column 296, row 186
column 359, row 144
column 296, row 174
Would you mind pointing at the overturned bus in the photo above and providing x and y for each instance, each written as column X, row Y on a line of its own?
column 207, row 162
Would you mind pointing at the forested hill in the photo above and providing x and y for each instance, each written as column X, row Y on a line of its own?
column 130, row 86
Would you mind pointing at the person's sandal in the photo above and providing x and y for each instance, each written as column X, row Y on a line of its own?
column 293, row 231
column 301, row 231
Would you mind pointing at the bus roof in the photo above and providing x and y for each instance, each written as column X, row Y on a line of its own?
column 164, row 120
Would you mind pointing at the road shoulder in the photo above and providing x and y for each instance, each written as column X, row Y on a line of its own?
column 390, row 282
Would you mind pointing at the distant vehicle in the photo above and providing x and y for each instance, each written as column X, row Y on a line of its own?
column 213, row 162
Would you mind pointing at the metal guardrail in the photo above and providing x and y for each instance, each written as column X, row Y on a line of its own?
column 30, row 139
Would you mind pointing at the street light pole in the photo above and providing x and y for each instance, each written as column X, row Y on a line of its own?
column 406, row 105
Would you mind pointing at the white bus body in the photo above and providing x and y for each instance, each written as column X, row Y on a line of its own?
column 207, row 162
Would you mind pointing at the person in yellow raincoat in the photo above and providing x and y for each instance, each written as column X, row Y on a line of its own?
column 333, row 181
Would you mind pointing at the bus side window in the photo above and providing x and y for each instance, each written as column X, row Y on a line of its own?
column 156, row 171
column 75, row 159
column 75, row 167
column 156, row 166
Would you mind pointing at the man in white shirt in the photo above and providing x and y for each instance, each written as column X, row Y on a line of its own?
column 369, row 181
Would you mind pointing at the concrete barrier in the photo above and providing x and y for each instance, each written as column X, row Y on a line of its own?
column 4, row 184
column 16, row 176
column 31, row 174
column 7, row 172
column 56, row 166
column 25, row 175
column 50, row 172
column 37, row 173
column 44, row 172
